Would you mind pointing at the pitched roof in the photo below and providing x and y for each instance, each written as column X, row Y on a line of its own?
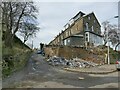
column 93, row 15
column 79, row 13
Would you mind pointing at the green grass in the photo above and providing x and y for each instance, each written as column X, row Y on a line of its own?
column 113, row 56
column 18, row 61
column 17, row 57
column 112, row 53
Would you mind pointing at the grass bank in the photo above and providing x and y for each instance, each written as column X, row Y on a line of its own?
column 15, row 58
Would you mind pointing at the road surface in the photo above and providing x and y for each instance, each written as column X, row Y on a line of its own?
column 39, row 74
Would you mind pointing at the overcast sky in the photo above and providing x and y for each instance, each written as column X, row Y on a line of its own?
column 54, row 15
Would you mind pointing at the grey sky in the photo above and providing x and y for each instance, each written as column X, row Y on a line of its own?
column 54, row 15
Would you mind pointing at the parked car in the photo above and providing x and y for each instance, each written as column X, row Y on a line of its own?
column 118, row 64
column 40, row 52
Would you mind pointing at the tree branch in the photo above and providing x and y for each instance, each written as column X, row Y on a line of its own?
column 117, row 46
column 17, row 25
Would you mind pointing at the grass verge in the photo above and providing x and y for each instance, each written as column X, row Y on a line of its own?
column 14, row 59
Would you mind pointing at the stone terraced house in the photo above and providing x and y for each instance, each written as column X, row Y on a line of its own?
column 81, row 30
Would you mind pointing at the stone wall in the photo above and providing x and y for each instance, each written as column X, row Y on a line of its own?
column 72, row 52
column 64, row 51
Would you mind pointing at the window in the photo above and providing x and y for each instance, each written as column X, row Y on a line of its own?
column 86, row 34
column 61, row 36
column 87, row 26
column 71, row 21
column 66, row 26
column 92, row 28
column 68, row 40
column 66, row 33
column 65, row 42
column 89, row 18
column 94, row 21
column 69, row 33
column 58, row 39
column 87, row 39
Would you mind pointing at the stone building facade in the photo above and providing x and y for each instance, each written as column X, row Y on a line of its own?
column 81, row 30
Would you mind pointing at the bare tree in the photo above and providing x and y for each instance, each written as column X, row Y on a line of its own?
column 112, row 32
column 105, row 26
column 15, row 16
column 118, row 39
column 28, row 30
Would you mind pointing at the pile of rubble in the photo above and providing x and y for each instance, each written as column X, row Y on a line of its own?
column 75, row 62
column 55, row 61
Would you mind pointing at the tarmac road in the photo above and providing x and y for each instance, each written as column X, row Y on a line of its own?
column 39, row 74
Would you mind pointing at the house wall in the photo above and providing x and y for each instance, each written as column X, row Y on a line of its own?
column 74, row 41
column 96, row 40
column 77, row 27
column 92, row 21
